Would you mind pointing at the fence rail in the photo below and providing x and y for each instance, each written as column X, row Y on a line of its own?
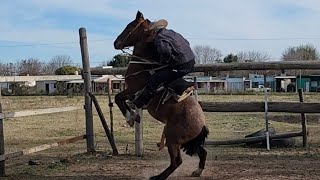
column 292, row 107
column 254, row 139
column 274, row 65
column 5, row 116
column 38, row 112
column 43, row 147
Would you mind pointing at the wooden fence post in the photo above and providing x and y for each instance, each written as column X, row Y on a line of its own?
column 104, row 124
column 195, row 85
column 139, row 134
column 110, row 108
column 303, row 122
column 87, row 89
column 266, row 118
column 2, row 160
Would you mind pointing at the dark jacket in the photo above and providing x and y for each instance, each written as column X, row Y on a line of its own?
column 173, row 49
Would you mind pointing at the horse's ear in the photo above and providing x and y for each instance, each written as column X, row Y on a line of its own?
column 139, row 15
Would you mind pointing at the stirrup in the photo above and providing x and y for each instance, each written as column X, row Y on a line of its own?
column 134, row 97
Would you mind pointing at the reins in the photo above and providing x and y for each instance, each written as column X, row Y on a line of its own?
column 143, row 61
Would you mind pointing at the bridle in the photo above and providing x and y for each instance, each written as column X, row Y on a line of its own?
column 134, row 29
column 143, row 60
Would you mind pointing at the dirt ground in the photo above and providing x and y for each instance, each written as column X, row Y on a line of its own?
column 222, row 163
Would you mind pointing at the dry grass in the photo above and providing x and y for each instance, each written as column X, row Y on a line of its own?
column 27, row 132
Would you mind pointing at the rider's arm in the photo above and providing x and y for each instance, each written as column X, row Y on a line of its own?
column 165, row 50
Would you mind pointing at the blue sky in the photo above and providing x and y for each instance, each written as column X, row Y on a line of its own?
column 270, row 26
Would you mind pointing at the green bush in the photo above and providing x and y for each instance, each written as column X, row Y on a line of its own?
column 67, row 70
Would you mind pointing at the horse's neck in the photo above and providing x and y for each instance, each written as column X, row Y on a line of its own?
column 136, row 77
column 143, row 50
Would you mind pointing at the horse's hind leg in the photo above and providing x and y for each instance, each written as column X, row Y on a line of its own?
column 176, row 161
column 202, row 153
column 161, row 144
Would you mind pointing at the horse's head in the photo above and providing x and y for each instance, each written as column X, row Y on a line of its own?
column 133, row 32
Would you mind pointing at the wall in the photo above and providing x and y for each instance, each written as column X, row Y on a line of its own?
column 235, row 84
column 43, row 84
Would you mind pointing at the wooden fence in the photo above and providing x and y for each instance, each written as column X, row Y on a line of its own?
column 290, row 107
column 293, row 107
column 6, row 116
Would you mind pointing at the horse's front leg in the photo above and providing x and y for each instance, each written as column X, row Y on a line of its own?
column 131, row 116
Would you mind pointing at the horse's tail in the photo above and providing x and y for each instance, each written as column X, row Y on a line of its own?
column 193, row 146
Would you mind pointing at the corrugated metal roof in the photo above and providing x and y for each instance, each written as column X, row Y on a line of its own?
column 284, row 77
column 106, row 77
column 78, row 81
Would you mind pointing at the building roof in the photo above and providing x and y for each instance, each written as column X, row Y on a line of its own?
column 285, row 77
column 77, row 81
column 105, row 78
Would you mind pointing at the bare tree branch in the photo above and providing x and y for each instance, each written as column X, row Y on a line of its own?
column 207, row 55
column 253, row 56
column 55, row 63
column 300, row 53
column 29, row 66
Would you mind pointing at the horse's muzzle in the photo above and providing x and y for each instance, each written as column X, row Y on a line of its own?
column 118, row 45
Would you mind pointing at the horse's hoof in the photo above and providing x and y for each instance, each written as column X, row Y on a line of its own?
column 131, row 123
column 132, row 117
column 154, row 178
column 136, row 118
column 160, row 145
column 197, row 173
column 129, row 118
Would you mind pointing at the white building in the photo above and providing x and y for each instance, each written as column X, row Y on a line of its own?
column 45, row 83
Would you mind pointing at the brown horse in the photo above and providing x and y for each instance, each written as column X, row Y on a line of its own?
column 185, row 122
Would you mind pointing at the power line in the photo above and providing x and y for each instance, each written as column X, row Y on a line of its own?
column 255, row 39
column 49, row 44
column 199, row 38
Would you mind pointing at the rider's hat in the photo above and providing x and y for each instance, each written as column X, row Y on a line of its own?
column 157, row 25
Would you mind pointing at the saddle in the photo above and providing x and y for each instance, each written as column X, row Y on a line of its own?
column 178, row 90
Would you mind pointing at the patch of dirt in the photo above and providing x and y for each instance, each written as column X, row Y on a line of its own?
column 299, row 164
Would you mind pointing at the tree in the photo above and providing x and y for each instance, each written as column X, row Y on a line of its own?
column 31, row 66
column 55, row 63
column 119, row 60
column 67, row 70
column 253, row 56
column 207, row 55
column 230, row 58
column 300, row 53
column 8, row 69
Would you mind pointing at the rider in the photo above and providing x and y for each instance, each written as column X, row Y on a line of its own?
column 175, row 52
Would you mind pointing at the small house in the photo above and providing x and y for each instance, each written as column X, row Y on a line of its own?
column 236, row 84
column 209, row 84
column 258, row 79
column 309, row 83
column 285, row 83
